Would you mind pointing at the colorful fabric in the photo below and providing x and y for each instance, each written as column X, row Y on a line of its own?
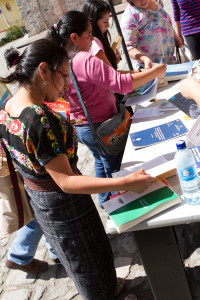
column 96, row 82
column 188, row 13
column 40, row 135
column 70, row 222
column 151, row 32
column 96, row 47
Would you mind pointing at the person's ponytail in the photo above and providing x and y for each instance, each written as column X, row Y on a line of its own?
column 12, row 57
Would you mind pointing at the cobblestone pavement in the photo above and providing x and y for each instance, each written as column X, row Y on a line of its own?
column 54, row 283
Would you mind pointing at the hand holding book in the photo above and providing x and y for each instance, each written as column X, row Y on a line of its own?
column 139, row 181
column 129, row 208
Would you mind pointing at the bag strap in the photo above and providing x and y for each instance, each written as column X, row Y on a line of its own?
column 16, row 189
column 178, row 54
column 81, row 100
column 1, row 161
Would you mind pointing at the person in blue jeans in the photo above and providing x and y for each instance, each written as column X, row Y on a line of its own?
column 104, row 164
column 22, row 251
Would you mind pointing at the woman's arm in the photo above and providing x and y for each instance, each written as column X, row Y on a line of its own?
column 179, row 32
column 190, row 89
column 141, row 78
column 61, row 172
column 137, row 55
column 101, row 55
column 179, row 40
column 176, row 12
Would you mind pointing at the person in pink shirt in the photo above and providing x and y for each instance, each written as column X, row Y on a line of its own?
column 98, row 12
column 96, row 81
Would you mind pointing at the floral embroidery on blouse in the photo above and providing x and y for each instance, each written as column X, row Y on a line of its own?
column 39, row 135
column 149, row 31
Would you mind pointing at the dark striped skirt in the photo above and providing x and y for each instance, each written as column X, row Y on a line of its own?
column 74, row 229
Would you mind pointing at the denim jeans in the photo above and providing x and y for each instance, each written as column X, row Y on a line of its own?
column 105, row 165
column 24, row 246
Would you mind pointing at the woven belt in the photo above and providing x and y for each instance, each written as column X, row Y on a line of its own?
column 41, row 185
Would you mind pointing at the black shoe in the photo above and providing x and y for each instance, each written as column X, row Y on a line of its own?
column 55, row 260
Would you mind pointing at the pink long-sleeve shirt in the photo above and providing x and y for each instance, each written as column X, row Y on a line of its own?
column 97, row 82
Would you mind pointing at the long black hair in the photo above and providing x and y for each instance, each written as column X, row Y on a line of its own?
column 94, row 10
column 26, row 64
column 70, row 22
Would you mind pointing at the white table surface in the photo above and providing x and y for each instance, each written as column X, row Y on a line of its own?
column 181, row 213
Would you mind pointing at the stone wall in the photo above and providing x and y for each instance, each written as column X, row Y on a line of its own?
column 39, row 15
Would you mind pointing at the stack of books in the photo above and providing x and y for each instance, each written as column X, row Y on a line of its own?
column 128, row 209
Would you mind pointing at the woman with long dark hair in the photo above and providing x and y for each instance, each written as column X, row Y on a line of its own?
column 96, row 81
column 98, row 12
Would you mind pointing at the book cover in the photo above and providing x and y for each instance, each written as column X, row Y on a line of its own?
column 145, row 92
column 188, row 106
column 117, row 43
column 193, row 135
column 178, row 71
column 129, row 209
column 62, row 107
column 158, row 134
column 4, row 93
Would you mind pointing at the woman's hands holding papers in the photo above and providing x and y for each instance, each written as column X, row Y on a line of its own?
column 139, row 181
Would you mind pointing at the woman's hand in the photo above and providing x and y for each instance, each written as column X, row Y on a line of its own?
column 161, row 68
column 146, row 61
column 190, row 89
column 139, row 181
column 178, row 40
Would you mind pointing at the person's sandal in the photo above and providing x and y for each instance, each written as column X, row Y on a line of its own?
column 130, row 297
column 120, row 286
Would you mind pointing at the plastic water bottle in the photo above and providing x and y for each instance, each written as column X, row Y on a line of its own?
column 187, row 173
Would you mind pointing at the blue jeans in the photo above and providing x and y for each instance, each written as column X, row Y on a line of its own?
column 24, row 246
column 105, row 165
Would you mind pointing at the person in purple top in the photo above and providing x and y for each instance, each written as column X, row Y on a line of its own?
column 187, row 18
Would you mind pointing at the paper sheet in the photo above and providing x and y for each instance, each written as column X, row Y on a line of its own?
column 148, row 112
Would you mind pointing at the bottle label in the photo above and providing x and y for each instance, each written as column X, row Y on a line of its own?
column 188, row 174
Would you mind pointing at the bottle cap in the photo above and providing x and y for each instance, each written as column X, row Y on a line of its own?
column 180, row 145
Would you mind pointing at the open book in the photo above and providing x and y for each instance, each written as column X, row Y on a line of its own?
column 178, row 71
column 161, row 166
column 145, row 92
column 129, row 208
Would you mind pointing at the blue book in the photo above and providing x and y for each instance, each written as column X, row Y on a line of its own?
column 158, row 134
column 178, row 71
